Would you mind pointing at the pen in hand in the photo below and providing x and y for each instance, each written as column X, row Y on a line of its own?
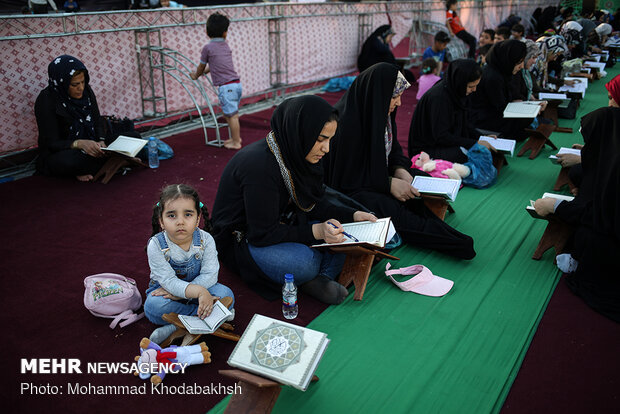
column 344, row 232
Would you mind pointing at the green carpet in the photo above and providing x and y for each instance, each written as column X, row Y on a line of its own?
column 400, row 352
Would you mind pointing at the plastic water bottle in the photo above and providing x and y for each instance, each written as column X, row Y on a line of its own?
column 289, row 297
column 153, row 156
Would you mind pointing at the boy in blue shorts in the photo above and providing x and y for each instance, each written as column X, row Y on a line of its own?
column 218, row 56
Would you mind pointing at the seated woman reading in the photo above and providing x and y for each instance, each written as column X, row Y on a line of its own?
column 270, row 205
column 595, row 211
column 376, row 49
column 439, row 125
column 70, row 127
column 504, row 60
column 367, row 162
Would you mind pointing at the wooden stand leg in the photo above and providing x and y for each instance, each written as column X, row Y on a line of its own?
column 356, row 269
column 113, row 164
column 556, row 235
column 563, row 180
column 552, row 113
column 438, row 206
column 499, row 160
column 537, row 140
column 258, row 394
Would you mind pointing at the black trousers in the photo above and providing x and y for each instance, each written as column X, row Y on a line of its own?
column 417, row 225
column 469, row 41
column 70, row 162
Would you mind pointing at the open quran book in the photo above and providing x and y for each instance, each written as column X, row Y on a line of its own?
column 443, row 187
column 554, row 158
column 526, row 109
column 126, row 146
column 365, row 233
column 532, row 211
column 208, row 325
column 500, row 144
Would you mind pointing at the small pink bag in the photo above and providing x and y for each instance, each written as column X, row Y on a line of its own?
column 109, row 295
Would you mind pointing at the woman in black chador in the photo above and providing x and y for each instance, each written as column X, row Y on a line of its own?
column 439, row 125
column 377, row 48
column 271, row 205
column 367, row 162
column 596, row 213
column 504, row 60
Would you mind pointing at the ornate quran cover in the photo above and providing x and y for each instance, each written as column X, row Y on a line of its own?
column 280, row 351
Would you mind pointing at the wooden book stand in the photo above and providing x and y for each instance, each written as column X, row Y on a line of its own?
column 537, row 140
column 225, row 331
column 563, row 179
column 556, row 235
column 357, row 266
column 114, row 163
column 499, row 160
column 551, row 112
column 438, row 205
column 258, row 394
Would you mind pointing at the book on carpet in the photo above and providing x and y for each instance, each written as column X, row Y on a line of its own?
column 552, row 96
column 554, row 158
column 219, row 314
column 444, row 187
column 365, row 233
column 532, row 211
column 500, row 144
column 280, row 351
column 526, row 109
column 126, row 146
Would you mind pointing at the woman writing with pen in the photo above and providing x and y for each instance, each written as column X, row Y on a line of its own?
column 270, row 205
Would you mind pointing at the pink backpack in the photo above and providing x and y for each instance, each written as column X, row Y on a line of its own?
column 109, row 295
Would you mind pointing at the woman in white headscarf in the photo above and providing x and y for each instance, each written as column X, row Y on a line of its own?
column 598, row 37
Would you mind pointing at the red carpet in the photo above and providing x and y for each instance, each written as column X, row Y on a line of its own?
column 68, row 230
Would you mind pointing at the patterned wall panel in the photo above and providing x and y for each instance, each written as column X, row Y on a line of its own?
column 317, row 47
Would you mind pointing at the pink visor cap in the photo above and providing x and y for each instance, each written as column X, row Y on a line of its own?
column 424, row 282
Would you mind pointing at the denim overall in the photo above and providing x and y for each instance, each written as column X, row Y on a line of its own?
column 156, row 306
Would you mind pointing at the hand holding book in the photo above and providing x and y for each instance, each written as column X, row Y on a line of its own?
column 402, row 190
column 544, row 206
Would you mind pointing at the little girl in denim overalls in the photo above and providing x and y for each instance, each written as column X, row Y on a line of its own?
column 183, row 261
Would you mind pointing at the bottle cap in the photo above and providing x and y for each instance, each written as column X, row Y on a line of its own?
column 288, row 277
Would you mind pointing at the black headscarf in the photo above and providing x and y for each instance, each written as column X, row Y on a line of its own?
column 440, row 118
column 357, row 159
column 459, row 74
column 505, row 55
column 296, row 124
column 60, row 72
column 375, row 49
column 600, row 158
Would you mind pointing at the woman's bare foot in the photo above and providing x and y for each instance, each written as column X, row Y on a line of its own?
column 84, row 178
column 230, row 144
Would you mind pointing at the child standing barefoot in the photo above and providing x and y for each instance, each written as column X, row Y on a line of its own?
column 218, row 56
column 183, row 262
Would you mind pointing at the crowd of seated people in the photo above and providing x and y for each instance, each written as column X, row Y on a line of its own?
column 272, row 202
